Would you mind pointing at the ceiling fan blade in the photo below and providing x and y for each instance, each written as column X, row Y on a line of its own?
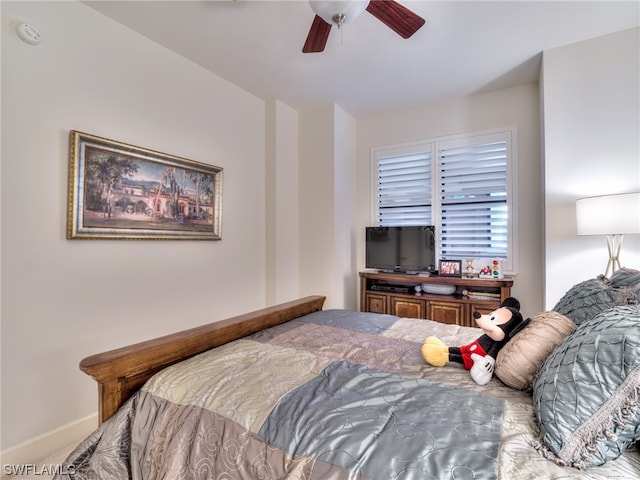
column 317, row 37
column 398, row 18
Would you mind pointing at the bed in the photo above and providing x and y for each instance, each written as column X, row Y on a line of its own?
column 298, row 392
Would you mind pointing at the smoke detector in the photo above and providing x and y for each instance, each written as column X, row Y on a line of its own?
column 28, row 34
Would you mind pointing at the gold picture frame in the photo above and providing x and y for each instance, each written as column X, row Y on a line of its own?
column 120, row 191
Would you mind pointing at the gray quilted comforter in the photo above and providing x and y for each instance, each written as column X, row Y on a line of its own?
column 333, row 395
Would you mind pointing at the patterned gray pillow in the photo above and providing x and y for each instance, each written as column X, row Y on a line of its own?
column 627, row 277
column 587, row 393
column 587, row 299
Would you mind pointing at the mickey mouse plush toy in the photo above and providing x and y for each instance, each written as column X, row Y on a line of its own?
column 480, row 355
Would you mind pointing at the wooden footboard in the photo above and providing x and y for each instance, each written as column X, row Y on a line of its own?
column 123, row 371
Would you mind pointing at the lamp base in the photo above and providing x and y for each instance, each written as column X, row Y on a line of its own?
column 614, row 243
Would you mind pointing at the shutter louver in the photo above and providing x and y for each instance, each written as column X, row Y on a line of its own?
column 473, row 192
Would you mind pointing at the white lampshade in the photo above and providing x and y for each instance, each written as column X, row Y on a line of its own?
column 609, row 214
column 339, row 12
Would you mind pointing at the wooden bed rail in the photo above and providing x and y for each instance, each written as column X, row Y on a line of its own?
column 122, row 371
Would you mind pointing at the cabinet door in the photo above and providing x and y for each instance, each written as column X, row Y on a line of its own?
column 407, row 307
column 446, row 312
column 484, row 308
column 375, row 303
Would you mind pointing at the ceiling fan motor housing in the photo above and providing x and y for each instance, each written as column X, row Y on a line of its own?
column 338, row 12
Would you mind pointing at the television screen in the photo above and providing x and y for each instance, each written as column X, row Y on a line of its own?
column 401, row 249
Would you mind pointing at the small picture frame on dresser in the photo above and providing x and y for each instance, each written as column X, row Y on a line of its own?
column 450, row 268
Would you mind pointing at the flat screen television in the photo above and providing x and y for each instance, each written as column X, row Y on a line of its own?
column 409, row 249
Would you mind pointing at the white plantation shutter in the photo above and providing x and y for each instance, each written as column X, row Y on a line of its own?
column 404, row 190
column 461, row 184
column 473, row 201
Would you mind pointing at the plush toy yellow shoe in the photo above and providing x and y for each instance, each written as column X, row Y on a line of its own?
column 435, row 352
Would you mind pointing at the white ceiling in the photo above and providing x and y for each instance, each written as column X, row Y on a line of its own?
column 465, row 47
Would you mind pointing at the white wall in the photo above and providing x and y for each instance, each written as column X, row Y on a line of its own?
column 328, row 205
column 283, row 212
column 345, row 212
column 317, row 228
column 592, row 147
column 505, row 108
column 63, row 300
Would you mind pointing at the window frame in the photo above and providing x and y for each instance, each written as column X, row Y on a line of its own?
column 433, row 146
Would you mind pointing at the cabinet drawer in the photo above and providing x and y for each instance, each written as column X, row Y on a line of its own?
column 375, row 303
column 407, row 308
column 446, row 312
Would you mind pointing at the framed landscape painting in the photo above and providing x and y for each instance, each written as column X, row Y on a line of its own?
column 119, row 191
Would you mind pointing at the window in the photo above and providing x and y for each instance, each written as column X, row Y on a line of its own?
column 460, row 184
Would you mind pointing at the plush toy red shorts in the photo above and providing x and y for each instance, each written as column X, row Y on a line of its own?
column 467, row 350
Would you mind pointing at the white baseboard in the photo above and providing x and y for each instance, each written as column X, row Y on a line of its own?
column 39, row 448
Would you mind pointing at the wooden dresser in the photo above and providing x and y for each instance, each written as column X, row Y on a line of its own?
column 395, row 294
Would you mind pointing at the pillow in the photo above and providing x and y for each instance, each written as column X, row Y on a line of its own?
column 586, row 396
column 627, row 277
column 586, row 299
column 522, row 356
